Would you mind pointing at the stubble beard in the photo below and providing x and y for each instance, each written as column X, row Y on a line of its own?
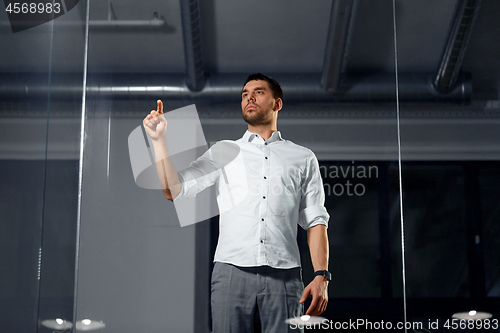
column 256, row 117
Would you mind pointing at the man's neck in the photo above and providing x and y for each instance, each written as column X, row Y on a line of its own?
column 264, row 131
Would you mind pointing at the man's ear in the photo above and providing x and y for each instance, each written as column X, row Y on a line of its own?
column 278, row 104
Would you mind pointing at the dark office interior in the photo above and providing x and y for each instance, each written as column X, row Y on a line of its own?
column 398, row 99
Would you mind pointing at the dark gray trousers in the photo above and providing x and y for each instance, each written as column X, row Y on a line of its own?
column 244, row 296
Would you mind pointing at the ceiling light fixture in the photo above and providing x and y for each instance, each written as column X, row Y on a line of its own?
column 472, row 314
column 89, row 325
column 304, row 320
column 57, row 324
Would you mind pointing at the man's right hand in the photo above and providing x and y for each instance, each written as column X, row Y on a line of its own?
column 155, row 123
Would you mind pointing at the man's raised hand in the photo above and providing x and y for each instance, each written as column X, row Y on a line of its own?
column 155, row 123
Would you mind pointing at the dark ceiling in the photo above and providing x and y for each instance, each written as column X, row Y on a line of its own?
column 276, row 37
column 290, row 37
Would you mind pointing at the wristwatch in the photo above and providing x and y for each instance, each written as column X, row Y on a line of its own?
column 326, row 274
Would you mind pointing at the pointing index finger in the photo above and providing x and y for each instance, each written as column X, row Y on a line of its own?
column 160, row 106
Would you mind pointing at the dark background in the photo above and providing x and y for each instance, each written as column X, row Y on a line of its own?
column 122, row 259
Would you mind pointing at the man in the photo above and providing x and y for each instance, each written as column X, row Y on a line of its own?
column 257, row 274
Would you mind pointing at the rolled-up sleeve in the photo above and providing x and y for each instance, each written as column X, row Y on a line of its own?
column 200, row 174
column 312, row 209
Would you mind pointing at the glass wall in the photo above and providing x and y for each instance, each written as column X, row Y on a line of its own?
column 450, row 158
column 136, row 267
column 41, row 73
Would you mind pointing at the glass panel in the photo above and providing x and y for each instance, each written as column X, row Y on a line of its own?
column 450, row 150
column 41, row 92
column 136, row 264
column 138, row 269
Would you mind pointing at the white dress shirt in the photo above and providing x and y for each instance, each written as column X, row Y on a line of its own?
column 271, row 186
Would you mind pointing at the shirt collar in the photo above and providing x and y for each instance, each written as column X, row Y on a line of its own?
column 249, row 137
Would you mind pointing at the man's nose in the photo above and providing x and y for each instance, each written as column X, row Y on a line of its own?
column 250, row 97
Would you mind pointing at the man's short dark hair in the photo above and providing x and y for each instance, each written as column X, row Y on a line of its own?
column 273, row 84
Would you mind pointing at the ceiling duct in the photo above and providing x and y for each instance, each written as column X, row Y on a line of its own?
column 155, row 23
column 222, row 88
column 338, row 31
column 451, row 62
column 193, row 52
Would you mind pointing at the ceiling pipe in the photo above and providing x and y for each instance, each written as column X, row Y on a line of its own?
column 193, row 52
column 338, row 31
column 222, row 88
column 448, row 72
column 154, row 23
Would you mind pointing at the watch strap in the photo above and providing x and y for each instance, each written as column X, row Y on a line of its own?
column 326, row 274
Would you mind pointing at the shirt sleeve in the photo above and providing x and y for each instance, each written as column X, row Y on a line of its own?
column 201, row 173
column 312, row 209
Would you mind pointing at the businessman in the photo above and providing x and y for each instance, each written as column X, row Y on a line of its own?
column 257, row 274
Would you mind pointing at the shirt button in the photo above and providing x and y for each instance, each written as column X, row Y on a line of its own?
column 266, row 157
column 265, row 143
column 264, row 197
column 265, row 177
column 261, row 241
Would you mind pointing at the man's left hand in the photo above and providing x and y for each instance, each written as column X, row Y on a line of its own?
column 318, row 288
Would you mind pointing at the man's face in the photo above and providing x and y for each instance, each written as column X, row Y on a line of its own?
column 257, row 103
